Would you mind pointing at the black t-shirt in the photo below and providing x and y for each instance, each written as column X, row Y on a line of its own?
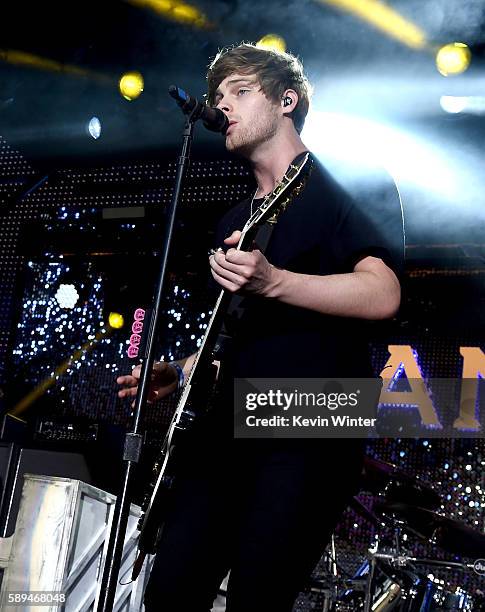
column 323, row 231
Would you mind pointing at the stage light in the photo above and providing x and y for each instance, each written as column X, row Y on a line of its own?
column 116, row 320
column 453, row 104
column 51, row 380
column 273, row 42
column 22, row 58
column 408, row 159
column 177, row 10
column 185, row 12
column 67, row 296
column 473, row 105
column 453, row 58
column 131, row 85
column 385, row 18
column 94, row 127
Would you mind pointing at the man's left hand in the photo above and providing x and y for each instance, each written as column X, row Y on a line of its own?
column 243, row 271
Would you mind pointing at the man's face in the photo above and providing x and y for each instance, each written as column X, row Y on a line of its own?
column 253, row 119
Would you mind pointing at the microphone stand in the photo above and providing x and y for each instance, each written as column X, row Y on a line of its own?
column 133, row 439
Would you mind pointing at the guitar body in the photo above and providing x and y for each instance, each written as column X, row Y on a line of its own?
column 200, row 386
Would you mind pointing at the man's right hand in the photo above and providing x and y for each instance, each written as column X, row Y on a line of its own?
column 164, row 381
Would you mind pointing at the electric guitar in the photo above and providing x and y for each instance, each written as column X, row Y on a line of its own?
column 199, row 384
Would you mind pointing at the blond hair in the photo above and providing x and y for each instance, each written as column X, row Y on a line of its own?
column 276, row 72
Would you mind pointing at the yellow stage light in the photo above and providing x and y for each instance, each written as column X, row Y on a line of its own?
column 22, row 58
column 116, row 320
column 384, row 17
column 177, row 10
column 131, row 85
column 184, row 12
column 272, row 42
column 453, row 58
column 51, row 380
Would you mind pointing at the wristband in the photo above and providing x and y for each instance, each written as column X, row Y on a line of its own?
column 180, row 374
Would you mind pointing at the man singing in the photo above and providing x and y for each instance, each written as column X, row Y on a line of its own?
column 265, row 509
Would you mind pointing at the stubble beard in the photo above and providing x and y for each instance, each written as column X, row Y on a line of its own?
column 244, row 140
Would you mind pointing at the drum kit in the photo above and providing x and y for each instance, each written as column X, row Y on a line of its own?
column 404, row 511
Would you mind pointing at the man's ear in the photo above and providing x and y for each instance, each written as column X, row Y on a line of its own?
column 289, row 100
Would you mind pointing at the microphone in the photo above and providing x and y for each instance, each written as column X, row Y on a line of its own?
column 213, row 118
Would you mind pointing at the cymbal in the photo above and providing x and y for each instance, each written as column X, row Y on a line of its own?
column 381, row 477
column 451, row 535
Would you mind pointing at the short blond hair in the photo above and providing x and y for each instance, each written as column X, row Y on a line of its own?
column 276, row 72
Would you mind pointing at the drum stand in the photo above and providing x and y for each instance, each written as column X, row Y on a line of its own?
column 396, row 559
column 394, row 590
column 406, row 564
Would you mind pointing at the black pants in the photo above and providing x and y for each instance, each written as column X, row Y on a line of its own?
column 264, row 509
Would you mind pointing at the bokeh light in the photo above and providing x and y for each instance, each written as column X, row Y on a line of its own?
column 116, row 320
column 131, row 85
column 453, row 58
column 94, row 127
column 67, row 296
column 273, row 42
